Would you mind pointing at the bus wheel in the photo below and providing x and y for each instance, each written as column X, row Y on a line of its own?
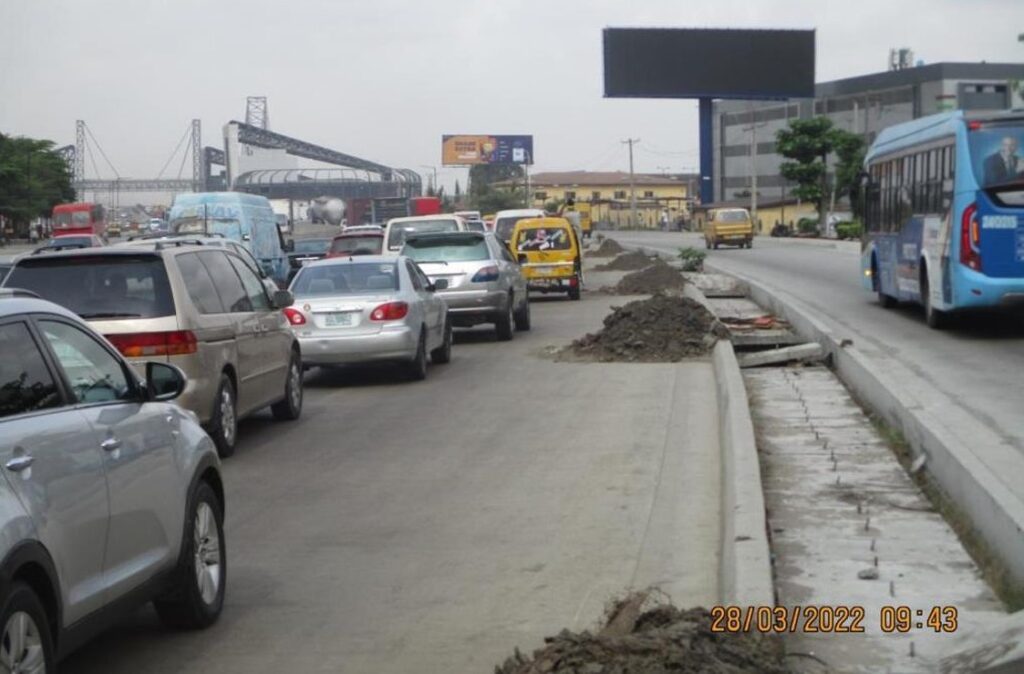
column 936, row 320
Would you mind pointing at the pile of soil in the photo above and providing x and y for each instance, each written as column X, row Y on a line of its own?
column 608, row 248
column 664, row 328
column 658, row 278
column 660, row 640
column 630, row 261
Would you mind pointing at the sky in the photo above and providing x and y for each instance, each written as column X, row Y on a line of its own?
column 384, row 79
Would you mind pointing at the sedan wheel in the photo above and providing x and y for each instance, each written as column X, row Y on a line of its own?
column 417, row 367
column 443, row 353
column 25, row 648
column 503, row 326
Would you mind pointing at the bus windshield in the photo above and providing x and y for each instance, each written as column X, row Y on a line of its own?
column 997, row 153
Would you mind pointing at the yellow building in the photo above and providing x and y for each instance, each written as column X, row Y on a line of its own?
column 609, row 195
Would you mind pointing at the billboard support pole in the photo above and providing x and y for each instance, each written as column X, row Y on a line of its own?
column 707, row 161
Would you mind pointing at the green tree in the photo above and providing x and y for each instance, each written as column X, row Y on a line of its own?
column 33, row 178
column 807, row 144
column 483, row 176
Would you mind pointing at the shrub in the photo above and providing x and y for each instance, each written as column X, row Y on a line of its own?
column 807, row 226
column 849, row 230
column 693, row 259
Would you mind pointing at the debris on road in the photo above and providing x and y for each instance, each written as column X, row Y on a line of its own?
column 660, row 639
column 608, row 248
column 765, row 322
column 657, row 278
column 664, row 328
column 630, row 261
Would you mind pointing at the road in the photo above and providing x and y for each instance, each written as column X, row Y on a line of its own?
column 975, row 366
column 435, row 526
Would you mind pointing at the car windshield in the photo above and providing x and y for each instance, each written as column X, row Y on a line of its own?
column 447, row 249
column 99, row 286
column 503, row 226
column 543, row 238
column 317, row 246
column 400, row 231
column 346, row 279
column 228, row 227
column 357, row 245
column 731, row 216
column 475, row 225
column 997, row 153
column 60, row 241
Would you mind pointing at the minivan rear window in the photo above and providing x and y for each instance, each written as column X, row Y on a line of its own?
column 400, row 231
column 99, row 286
column 464, row 248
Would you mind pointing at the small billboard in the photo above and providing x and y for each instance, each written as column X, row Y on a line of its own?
column 465, row 150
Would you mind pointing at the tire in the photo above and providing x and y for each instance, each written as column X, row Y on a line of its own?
column 289, row 408
column 416, row 369
column 707, row 244
column 503, row 324
column 224, row 424
column 443, row 353
column 936, row 320
column 750, row 244
column 885, row 301
column 522, row 316
column 196, row 596
column 23, row 620
column 574, row 292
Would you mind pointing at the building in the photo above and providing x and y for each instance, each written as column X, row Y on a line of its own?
column 744, row 131
column 609, row 194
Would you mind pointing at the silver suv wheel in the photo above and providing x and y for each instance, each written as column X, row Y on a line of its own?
column 206, row 553
column 21, row 647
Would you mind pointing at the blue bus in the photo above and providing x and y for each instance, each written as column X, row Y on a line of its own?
column 943, row 208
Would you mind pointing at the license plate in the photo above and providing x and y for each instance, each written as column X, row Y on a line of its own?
column 338, row 320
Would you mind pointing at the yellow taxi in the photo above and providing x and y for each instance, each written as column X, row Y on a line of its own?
column 549, row 255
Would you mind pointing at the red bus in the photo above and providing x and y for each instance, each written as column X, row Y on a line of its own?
column 79, row 218
column 425, row 206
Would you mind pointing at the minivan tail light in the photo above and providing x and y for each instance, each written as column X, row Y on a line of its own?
column 392, row 311
column 294, row 316
column 489, row 273
column 148, row 344
column 970, row 238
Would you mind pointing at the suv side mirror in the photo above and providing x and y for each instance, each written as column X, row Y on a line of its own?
column 440, row 284
column 289, row 245
column 164, row 382
column 283, row 299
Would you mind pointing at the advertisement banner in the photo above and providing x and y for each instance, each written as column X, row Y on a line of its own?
column 470, row 150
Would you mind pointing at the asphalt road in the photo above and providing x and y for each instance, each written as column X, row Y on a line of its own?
column 435, row 526
column 976, row 365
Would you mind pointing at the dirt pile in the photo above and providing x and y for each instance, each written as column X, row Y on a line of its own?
column 608, row 248
column 664, row 328
column 660, row 640
column 630, row 261
column 657, row 278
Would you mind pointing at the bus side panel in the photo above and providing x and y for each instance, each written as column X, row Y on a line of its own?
column 935, row 253
column 887, row 251
column 909, row 255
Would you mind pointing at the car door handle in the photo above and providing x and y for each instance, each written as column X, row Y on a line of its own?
column 20, row 463
column 110, row 444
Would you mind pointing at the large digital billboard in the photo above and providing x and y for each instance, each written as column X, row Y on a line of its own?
column 708, row 63
column 470, row 150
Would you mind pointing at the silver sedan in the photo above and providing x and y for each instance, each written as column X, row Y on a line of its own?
column 369, row 308
column 484, row 284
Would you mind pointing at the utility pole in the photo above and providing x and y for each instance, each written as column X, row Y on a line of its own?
column 632, row 182
column 753, row 164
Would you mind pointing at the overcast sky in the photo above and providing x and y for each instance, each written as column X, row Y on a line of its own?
column 384, row 79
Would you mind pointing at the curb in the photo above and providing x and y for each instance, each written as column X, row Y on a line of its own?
column 976, row 490
column 745, row 573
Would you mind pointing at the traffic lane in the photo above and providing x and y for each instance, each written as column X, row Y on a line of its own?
column 435, row 526
column 977, row 364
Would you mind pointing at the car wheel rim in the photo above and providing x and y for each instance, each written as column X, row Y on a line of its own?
column 227, row 416
column 206, row 537
column 21, row 651
column 295, row 385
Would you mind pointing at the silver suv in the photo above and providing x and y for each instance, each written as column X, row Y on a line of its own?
column 200, row 308
column 111, row 496
column 483, row 281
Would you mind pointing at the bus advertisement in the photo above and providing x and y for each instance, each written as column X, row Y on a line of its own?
column 943, row 205
column 79, row 218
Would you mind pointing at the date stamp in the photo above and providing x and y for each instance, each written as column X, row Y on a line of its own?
column 828, row 619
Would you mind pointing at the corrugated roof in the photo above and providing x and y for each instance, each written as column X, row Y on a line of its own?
column 600, row 178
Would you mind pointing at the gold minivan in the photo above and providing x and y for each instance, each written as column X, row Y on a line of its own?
column 729, row 226
column 201, row 308
column 549, row 254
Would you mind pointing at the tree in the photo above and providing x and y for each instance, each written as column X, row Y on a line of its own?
column 483, row 176
column 807, row 143
column 485, row 197
column 33, row 178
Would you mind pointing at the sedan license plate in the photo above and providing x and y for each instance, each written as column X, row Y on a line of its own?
column 338, row 319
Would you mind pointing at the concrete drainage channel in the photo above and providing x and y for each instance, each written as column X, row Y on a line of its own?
column 850, row 532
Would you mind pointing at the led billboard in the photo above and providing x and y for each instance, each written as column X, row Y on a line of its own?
column 708, row 63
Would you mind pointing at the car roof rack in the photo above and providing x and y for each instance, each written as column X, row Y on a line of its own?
column 57, row 249
column 17, row 292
